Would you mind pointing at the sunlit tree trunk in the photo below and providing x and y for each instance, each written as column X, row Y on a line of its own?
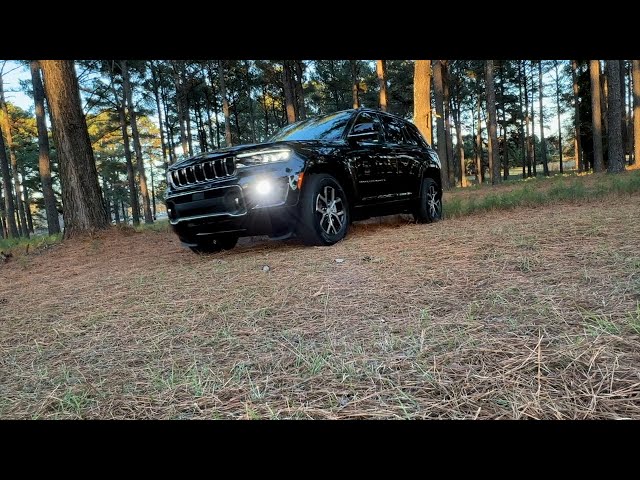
column 137, row 147
column 180, row 104
column 44, row 162
column 422, row 98
column 636, row 111
column 156, row 95
column 252, row 115
column 9, row 209
column 555, row 64
column 302, row 109
column 81, row 197
column 522, row 137
column 543, row 145
column 576, row 106
column 131, row 177
column 596, row 115
column 354, row 83
column 460, row 145
column 479, row 162
column 438, row 84
column 505, row 143
column 528, row 142
column 381, row 71
column 614, row 111
column 630, row 113
column 26, row 201
column 5, row 122
column 452, row 167
column 289, row 91
column 533, row 128
column 225, row 104
column 494, row 162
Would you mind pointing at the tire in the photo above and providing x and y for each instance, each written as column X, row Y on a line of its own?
column 429, row 208
column 222, row 242
column 324, row 211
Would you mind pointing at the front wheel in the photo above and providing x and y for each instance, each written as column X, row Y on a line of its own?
column 324, row 211
column 429, row 208
column 212, row 245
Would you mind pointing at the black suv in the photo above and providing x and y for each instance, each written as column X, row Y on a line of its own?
column 310, row 179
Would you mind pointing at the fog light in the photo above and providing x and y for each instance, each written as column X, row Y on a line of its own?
column 263, row 187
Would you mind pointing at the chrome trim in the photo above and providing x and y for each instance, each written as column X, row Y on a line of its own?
column 207, row 215
column 219, row 168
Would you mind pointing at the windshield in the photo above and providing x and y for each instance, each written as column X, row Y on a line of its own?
column 329, row 127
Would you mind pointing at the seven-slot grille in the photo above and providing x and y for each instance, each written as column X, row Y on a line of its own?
column 203, row 172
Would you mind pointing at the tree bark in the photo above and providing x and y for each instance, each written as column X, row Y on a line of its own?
column 180, row 103
column 302, row 109
column 522, row 137
column 252, row 115
column 26, row 201
column 614, row 112
column 354, row 83
column 479, row 162
column 505, row 145
column 558, row 111
column 527, row 118
column 289, row 91
column 543, row 145
column 452, row 167
column 381, row 70
column 422, row 98
column 131, row 177
column 5, row 122
column 441, row 146
column 44, row 162
column 533, row 128
column 156, row 94
column 9, row 208
column 494, row 162
column 225, row 104
column 137, row 147
column 576, row 105
column 596, row 115
column 636, row 112
column 82, row 200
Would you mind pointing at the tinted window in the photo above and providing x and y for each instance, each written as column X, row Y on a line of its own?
column 412, row 136
column 392, row 130
column 329, row 127
column 367, row 126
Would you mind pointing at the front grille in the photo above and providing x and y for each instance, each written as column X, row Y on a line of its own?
column 203, row 172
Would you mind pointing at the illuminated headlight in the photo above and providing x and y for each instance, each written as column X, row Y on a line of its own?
column 263, row 187
column 262, row 157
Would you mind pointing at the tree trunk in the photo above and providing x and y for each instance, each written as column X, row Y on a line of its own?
column 81, row 196
column 354, row 83
column 137, row 147
column 180, row 103
column 527, row 119
column 214, row 101
column 630, row 113
column 225, row 104
column 596, row 115
column 614, row 112
column 452, row 167
column 26, row 201
column 479, row 163
column 153, row 192
column 9, row 209
column 44, row 162
column 5, row 122
column 381, row 70
column 187, row 116
column 543, row 145
column 438, row 82
column 131, row 176
column 302, row 109
column 171, row 145
column 156, row 94
column 460, row 146
column 505, row 147
column 636, row 112
column 422, row 98
column 623, row 108
column 534, row 154
column 558, row 111
column 252, row 114
column 494, row 162
column 576, row 105
column 289, row 91
column 522, row 136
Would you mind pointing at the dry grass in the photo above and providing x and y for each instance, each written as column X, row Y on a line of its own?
column 529, row 313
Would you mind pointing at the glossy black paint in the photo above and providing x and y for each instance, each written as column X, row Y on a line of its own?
column 379, row 159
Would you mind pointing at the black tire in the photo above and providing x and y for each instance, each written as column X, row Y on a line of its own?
column 324, row 211
column 429, row 208
column 216, row 244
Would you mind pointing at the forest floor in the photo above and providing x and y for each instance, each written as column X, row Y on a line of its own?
column 531, row 312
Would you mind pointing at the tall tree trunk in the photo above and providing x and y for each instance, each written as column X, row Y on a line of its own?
column 438, row 82
column 153, row 192
column 422, row 98
column 26, row 201
column 479, row 162
column 558, row 111
column 452, row 167
column 636, row 112
column 44, row 162
column 180, row 103
column 225, row 104
column 460, row 145
column 505, row 143
column 527, row 118
column 83, row 206
column 614, row 112
column 289, row 91
column 533, row 128
column 252, row 114
column 9, row 209
column 5, row 122
column 214, row 101
column 131, row 176
column 137, row 147
column 116, row 210
column 596, row 115
column 494, row 162
column 302, row 109
column 354, row 83
column 630, row 113
column 171, row 146
column 580, row 166
column 543, row 145
column 187, row 117
column 156, row 94
column 522, row 137
column 381, row 70
column 623, row 109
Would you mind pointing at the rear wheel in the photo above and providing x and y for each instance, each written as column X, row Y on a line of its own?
column 215, row 244
column 324, row 211
column 429, row 208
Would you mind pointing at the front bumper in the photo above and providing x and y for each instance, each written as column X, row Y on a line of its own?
column 257, row 201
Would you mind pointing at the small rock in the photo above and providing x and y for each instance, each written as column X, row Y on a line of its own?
column 343, row 401
column 339, row 260
column 266, row 268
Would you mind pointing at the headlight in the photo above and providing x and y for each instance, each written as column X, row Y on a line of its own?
column 262, row 157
